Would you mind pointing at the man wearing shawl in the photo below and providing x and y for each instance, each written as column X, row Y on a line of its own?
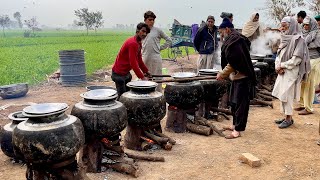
column 235, row 54
column 312, row 37
column 292, row 65
column 252, row 29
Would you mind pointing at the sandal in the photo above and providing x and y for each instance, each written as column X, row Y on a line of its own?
column 231, row 136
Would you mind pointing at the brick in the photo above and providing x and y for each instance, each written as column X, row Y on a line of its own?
column 250, row 159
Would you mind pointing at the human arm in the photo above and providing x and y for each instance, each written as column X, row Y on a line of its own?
column 135, row 58
column 291, row 63
column 225, row 72
column 168, row 40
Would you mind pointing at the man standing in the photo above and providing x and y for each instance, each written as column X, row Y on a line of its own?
column 206, row 43
column 300, row 16
column 292, row 65
column 235, row 51
column 151, row 46
column 129, row 57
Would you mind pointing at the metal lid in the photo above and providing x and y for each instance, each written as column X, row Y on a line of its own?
column 45, row 108
column 17, row 116
column 258, row 55
column 100, row 94
column 142, row 84
column 183, row 75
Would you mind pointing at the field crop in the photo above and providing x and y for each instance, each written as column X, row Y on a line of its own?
column 31, row 59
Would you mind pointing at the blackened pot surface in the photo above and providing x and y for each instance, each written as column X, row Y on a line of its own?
column 102, row 120
column 6, row 133
column 48, row 139
column 184, row 95
column 213, row 90
column 145, row 107
column 13, row 90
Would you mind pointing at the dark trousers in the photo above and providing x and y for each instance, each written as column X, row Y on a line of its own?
column 121, row 82
column 240, row 94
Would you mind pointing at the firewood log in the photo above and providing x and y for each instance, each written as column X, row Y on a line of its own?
column 224, row 115
column 172, row 141
column 117, row 149
column 266, row 88
column 265, row 97
column 266, row 93
column 125, row 168
column 146, row 145
column 205, row 122
column 167, row 146
column 199, row 129
column 159, row 140
column 226, row 111
column 146, row 157
column 260, row 102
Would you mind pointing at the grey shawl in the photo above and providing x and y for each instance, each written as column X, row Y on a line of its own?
column 312, row 36
column 294, row 45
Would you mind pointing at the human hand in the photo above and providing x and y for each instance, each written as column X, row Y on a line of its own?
column 145, row 79
column 219, row 77
column 147, row 74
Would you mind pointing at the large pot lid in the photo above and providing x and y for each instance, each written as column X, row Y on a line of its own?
column 258, row 55
column 183, row 75
column 100, row 94
column 45, row 108
column 142, row 84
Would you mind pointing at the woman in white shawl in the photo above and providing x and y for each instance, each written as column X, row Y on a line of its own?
column 312, row 37
column 252, row 29
column 292, row 65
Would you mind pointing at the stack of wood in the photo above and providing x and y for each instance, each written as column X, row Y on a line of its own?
column 140, row 139
column 263, row 97
column 202, row 126
column 110, row 154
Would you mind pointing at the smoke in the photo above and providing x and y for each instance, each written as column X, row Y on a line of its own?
column 262, row 45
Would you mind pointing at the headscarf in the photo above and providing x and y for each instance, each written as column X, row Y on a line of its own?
column 294, row 45
column 251, row 27
column 311, row 35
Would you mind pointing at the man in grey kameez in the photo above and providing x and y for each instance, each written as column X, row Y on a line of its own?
column 151, row 46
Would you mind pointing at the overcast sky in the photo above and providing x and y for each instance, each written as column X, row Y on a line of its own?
column 60, row 13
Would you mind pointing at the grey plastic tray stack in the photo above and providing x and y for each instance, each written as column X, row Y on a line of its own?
column 72, row 67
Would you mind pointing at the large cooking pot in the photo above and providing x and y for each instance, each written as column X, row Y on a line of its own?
column 49, row 135
column 145, row 106
column 13, row 90
column 184, row 95
column 6, row 133
column 100, row 113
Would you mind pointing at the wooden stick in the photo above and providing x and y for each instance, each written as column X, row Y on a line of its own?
column 260, row 102
column 160, row 75
column 267, row 98
column 266, row 88
column 159, row 140
column 266, row 93
column 145, row 145
column 117, row 149
column 199, row 129
column 185, row 79
column 167, row 146
column 205, row 122
column 224, row 115
column 126, row 160
column 125, row 168
column 226, row 111
column 172, row 141
column 146, row 157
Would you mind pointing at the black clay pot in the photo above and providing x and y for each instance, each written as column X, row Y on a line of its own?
column 49, row 135
column 184, row 95
column 6, row 133
column 100, row 113
column 263, row 67
column 145, row 106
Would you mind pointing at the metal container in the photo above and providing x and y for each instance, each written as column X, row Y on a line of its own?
column 49, row 136
column 145, row 106
column 100, row 113
column 6, row 133
column 72, row 67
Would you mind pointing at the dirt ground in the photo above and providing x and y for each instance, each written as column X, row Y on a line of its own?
column 285, row 153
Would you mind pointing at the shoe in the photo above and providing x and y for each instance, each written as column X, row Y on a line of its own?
column 278, row 121
column 299, row 109
column 285, row 124
column 304, row 112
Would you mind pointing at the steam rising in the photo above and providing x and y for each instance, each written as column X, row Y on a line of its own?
column 262, row 45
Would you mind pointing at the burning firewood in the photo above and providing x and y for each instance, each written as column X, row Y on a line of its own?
column 159, row 140
column 172, row 141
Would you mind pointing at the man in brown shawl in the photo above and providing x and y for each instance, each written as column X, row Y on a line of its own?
column 292, row 65
column 235, row 54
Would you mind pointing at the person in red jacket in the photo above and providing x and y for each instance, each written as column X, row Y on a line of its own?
column 129, row 57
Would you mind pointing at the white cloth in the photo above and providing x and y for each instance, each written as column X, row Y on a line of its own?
column 251, row 27
column 287, row 85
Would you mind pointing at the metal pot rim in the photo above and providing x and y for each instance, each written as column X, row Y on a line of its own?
column 44, row 109
column 100, row 94
column 142, row 84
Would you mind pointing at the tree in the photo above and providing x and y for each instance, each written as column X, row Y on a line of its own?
column 17, row 16
column 97, row 20
column 85, row 18
column 314, row 6
column 278, row 9
column 4, row 22
column 32, row 24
